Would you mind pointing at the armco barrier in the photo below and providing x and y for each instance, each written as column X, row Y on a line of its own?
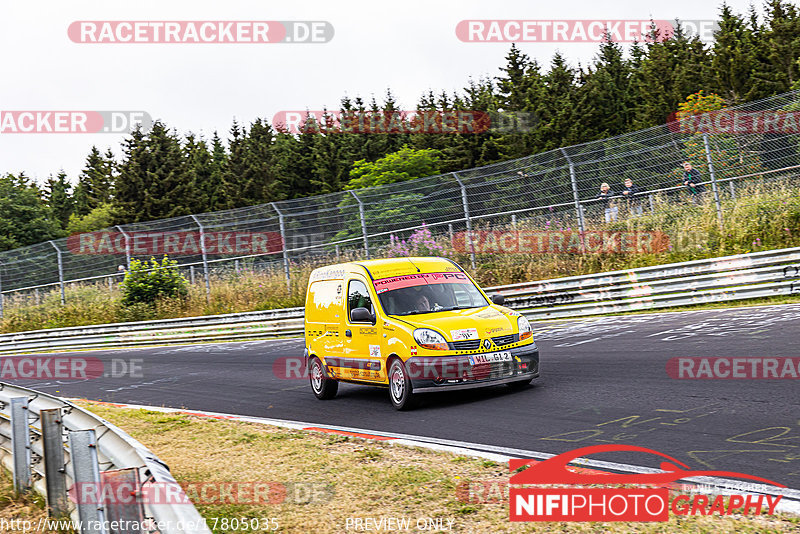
column 33, row 429
column 730, row 278
column 744, row 276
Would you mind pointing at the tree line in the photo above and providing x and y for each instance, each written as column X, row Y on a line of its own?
column 162, row 173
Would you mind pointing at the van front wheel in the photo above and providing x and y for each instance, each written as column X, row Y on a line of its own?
column 400, row 386
column 324, row 388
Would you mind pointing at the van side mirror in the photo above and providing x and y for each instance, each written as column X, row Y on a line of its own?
column 498, row 299
column 361, row 315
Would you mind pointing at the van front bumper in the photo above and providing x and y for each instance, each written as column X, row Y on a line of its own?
column 448, row 373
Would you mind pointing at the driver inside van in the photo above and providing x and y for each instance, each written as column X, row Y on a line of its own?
column 422, row 303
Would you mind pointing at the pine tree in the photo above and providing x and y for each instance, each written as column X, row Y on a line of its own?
column 216, row 183
column 777, row 48
column 24, row 217
column 734, row 57
column 518, row 77
column 59, row 199
column 200, row 169
column 95, row 182
column 557, row 109
column 154, row 179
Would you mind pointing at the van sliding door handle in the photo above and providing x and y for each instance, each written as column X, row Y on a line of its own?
column 348, row 333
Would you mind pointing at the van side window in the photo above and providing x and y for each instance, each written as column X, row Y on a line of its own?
column 358, row 297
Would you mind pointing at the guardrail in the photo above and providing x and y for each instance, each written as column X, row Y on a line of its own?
column 729, row 278
column 88, row 469
column 744, row 276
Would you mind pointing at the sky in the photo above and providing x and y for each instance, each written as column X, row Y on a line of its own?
column 409, row 46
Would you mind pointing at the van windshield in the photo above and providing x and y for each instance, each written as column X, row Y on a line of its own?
column 428, row 293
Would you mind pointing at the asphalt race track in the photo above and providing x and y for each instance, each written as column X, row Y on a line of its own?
column 604, row 380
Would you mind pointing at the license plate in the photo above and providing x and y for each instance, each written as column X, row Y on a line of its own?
column 492, row 357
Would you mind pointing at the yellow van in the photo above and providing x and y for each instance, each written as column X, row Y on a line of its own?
column 414, row 325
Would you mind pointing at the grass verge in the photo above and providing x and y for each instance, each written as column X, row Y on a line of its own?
column 364, row 478
column 23, row 514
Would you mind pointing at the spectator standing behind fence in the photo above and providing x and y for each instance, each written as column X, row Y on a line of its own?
column 606, row 194
column 691, row 179
column 630, row 193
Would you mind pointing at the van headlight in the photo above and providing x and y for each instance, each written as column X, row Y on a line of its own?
column 525, row 330
column 430, row 339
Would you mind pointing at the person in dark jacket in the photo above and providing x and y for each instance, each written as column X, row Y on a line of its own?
column 691, row 179
column 611, row 209
column 629, row 192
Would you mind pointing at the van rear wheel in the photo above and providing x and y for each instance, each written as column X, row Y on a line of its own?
column 323, row 387
column 400, row 386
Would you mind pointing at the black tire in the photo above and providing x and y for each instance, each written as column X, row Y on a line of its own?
column 323, row 387
column 400, row 386
column 519, row 384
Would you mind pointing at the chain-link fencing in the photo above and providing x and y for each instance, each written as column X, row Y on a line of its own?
column 746, row 159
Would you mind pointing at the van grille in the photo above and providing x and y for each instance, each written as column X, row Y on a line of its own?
column 489, row 371
column 469, row 344
column 505, row 340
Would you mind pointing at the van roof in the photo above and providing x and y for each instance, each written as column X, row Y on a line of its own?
column 386, row 267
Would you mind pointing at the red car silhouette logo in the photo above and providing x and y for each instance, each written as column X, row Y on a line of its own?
column 555, row 470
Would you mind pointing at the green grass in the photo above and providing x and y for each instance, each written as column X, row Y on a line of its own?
column 22, row 512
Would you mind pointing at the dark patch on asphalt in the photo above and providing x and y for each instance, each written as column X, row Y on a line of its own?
column 603, row 381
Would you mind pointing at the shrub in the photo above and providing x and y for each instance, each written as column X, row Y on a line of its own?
column 148, row 282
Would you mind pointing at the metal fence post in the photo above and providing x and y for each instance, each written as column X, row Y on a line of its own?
column 86, row 474
column 733, row 189
column 652, row 203
column 285, row 249
column 465, row 205
column 578, row 208
column 55, row 475
column 127, row 246
column 60, row 271
column 21, row 443
column 205, row 256
column 363, row 222
column 713, row 180
column 573, row 178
